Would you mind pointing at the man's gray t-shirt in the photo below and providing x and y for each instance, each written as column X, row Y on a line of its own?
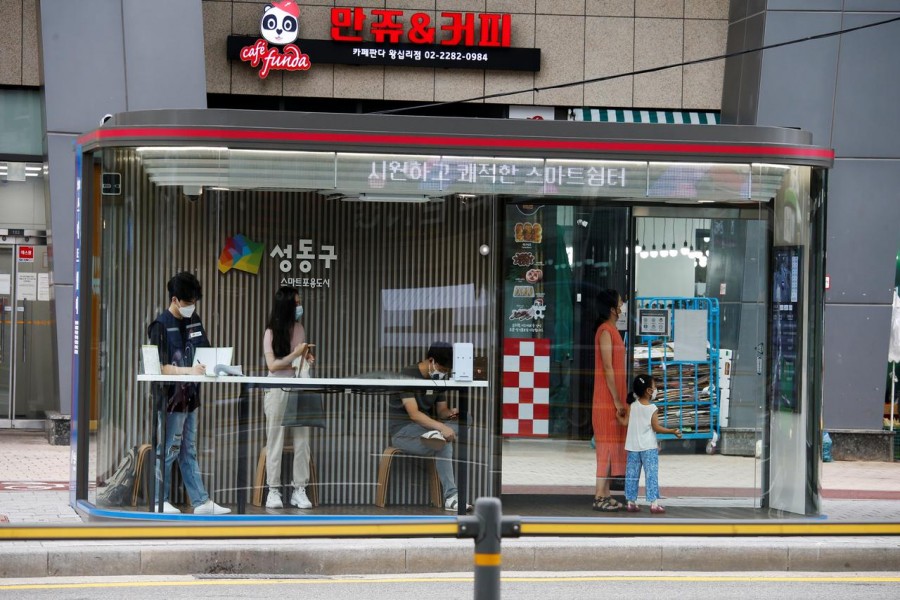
column 425, row 399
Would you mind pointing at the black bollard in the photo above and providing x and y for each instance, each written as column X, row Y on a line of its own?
column 487, row 526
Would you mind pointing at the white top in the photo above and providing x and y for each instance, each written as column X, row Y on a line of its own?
column 640, row 434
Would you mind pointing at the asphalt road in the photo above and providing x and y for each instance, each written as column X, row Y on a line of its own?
column 772, row 586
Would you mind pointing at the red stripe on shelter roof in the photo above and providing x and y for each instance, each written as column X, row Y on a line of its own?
column 207, row 134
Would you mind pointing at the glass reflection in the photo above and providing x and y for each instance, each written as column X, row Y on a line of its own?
column 382, row 277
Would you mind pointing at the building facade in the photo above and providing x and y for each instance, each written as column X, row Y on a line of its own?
column 105, row 57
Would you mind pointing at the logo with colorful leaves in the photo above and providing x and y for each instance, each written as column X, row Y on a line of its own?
column 242, row 254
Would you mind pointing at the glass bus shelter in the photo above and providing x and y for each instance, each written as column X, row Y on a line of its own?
column 401, row 231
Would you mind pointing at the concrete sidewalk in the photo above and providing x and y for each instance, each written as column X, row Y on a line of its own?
column 34, row 491
column 34, row 479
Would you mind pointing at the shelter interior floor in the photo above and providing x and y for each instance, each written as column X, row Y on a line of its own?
column 550, row 505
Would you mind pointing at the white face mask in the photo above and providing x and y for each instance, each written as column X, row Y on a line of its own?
column 435, row 374
column 298, row 313
column 187, row 311
column 653, row 395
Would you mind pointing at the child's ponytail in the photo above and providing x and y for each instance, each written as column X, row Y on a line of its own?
column 640, row 385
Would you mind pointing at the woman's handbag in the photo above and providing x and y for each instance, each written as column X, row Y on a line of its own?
column 304, row 408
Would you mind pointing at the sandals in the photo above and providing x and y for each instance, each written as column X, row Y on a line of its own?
column 633, row 508
column 656, row 509
column 606, row 504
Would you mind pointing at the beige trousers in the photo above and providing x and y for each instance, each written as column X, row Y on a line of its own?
column 275, row 402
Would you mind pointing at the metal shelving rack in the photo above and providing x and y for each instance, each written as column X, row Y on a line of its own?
column 689, row 390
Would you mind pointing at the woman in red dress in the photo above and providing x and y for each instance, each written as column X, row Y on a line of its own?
column 609, row 400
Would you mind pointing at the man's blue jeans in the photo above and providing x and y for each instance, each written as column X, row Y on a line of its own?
column 181, row 444
column 409, row 439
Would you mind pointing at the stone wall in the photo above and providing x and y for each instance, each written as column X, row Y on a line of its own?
column 578, row 39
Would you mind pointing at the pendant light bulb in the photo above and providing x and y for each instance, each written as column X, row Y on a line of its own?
column 684, row 249
column 654, row 252
column 645, row 253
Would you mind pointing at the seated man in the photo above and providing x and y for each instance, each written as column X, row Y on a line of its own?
column 413, row 426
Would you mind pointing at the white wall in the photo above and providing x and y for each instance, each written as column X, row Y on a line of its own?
column 22, row 204
column 669, row 276
column 665, row 276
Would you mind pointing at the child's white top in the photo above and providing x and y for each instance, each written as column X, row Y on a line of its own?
column 640, row 434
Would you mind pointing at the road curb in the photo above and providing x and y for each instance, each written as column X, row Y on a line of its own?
column 405, row 556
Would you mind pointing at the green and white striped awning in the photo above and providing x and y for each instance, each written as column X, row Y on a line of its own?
column 618, row 115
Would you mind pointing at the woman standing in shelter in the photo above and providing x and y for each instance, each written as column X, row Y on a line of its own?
column 609, row 399
column 284, row 343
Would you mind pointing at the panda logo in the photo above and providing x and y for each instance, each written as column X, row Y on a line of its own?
column 280, row 22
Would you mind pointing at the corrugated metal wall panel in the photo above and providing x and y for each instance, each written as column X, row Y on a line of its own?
column 151, row 233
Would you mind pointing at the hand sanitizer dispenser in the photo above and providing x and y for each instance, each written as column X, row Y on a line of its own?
column 463, row 355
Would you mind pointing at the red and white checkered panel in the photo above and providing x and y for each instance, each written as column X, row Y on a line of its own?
column 526, row 387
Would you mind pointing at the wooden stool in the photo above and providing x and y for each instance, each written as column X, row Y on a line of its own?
column 259, row 479
column 142, row 480
column 384, row 475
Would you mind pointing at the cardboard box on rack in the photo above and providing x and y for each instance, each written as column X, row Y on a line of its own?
column 724, row 405
column 726, row 358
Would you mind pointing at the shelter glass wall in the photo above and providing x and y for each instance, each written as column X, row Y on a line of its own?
column 379, row 282
column 392, row 252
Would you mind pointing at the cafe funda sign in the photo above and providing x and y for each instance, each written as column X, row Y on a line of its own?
column 380, row 36
column 279, row 26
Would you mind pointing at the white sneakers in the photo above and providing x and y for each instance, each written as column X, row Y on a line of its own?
column 207, row 508
column 211, row 508
column 273, row 499
column 299, row 499
column 167, row 509
column 451, row 504
column 434, row 440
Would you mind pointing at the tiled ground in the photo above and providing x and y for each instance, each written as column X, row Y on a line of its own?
column 540, row 478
